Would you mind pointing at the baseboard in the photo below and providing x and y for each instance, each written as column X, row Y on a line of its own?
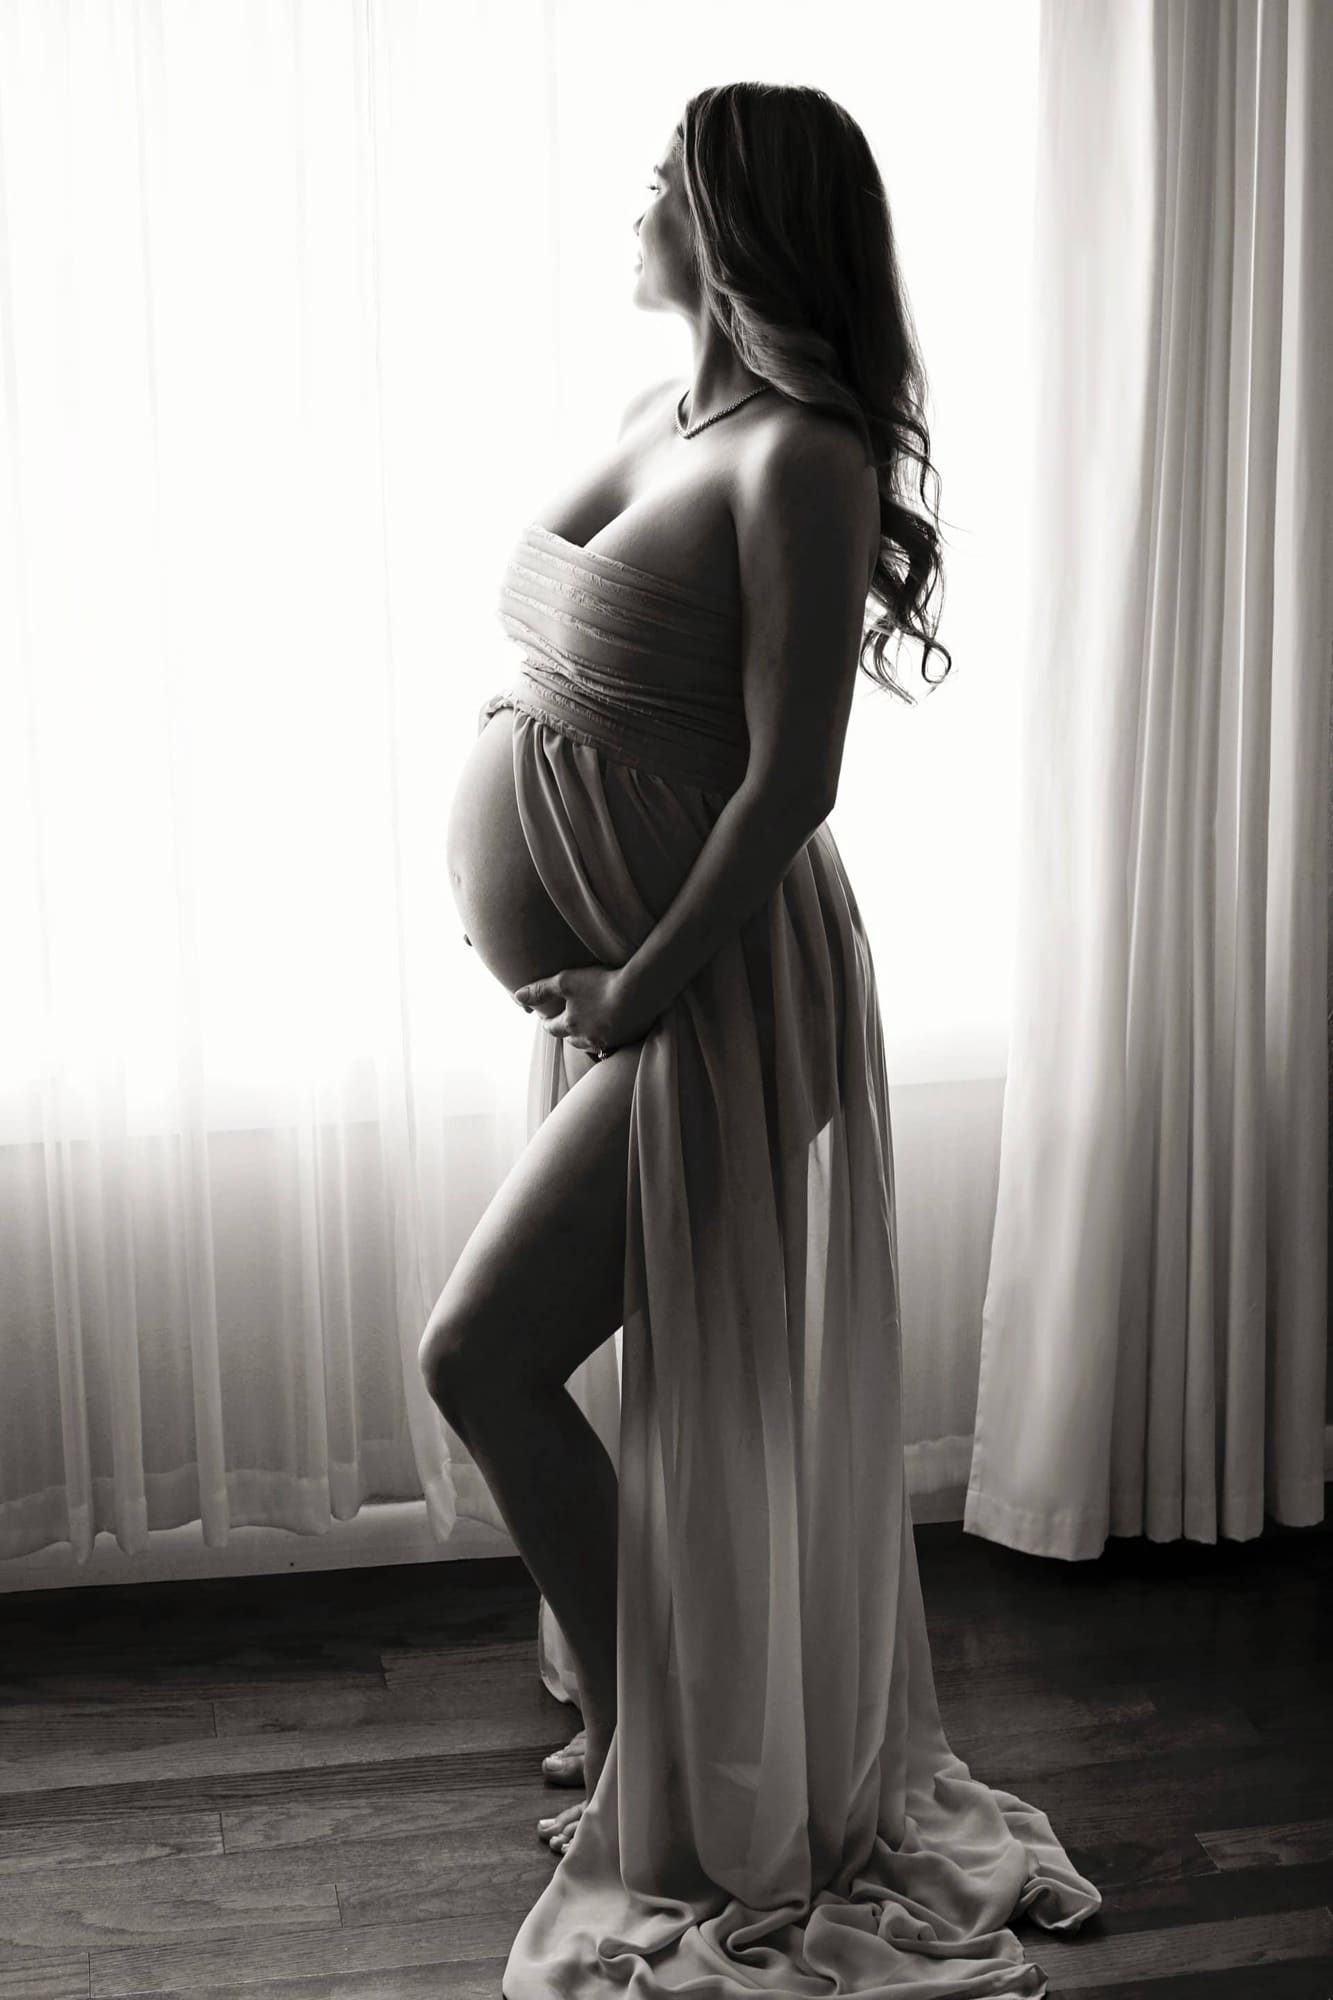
column 392, row 1531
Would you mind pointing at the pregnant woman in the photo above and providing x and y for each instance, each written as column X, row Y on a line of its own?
column 639, row 852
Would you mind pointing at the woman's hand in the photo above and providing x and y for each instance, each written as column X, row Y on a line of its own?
column 592, row 1006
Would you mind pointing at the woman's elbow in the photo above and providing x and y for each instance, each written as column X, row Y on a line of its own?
column 799, row 805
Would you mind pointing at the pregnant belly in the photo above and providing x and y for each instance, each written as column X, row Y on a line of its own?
column 506, row 911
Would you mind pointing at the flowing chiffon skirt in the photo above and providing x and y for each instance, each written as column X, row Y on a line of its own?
column 780, row 1812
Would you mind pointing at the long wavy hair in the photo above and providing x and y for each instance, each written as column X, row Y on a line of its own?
column 794, row 250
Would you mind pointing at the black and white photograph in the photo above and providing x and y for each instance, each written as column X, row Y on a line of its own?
column 666, row 856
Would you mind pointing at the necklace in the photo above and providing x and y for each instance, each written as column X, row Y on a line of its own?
column 695, row 429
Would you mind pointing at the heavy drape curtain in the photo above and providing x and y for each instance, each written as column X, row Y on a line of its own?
column 304, row 311
column 1154, row 1336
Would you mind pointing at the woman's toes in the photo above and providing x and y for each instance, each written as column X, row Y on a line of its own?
column 559, row 1831
column 565, row 1767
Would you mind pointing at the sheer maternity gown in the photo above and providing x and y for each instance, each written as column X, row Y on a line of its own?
column 780, row 1812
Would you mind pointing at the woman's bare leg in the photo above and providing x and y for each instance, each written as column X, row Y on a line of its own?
column 539, row 1287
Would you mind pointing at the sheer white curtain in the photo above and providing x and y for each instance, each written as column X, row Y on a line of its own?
column 1154, row 1344
column 304, row 311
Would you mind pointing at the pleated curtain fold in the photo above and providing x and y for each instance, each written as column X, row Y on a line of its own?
column 1154, row 1336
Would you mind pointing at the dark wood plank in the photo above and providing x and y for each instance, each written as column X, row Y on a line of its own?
column 224, row 1635
column 1211, row 1896
column 32, row 1975
column 471, row 1948
column 44, row 1849
column 1128, row 1730
column 447, row 1979
column 1149, row 1799
column 1105, row 1962
column 222, row 1896
column 93, row 1724
column 298, row 1821
column 487, row 1860
column 1138, row 1860
column 251, row 1769
column 1283, row 1846
column 1303, row 1979
column 473, row 1685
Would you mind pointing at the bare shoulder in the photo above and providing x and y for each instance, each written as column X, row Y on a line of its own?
column 793, row 427
column 645, row 400
column 802, row 479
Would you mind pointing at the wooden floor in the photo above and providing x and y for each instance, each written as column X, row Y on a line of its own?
column 327, row 1785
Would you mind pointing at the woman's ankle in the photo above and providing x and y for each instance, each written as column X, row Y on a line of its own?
column 597, row 1706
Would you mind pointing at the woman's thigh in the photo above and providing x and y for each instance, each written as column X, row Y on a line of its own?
column 540, row 1283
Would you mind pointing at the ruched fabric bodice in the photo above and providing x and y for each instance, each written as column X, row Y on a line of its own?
column 780, row 1811
column 643, row 667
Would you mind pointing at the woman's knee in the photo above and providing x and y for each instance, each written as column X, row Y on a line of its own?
column 449, row 1359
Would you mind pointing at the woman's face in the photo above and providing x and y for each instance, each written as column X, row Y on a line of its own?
column 666, row 276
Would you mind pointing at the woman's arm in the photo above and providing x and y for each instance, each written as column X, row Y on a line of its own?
column 804, row 507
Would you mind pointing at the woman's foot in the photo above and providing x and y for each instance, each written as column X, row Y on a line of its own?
column 565, row 1767
column 559, row 1831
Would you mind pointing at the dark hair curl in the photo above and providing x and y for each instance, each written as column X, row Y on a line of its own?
column 794, row 248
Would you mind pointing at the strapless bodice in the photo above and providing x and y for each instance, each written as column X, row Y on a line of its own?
column 646, row 668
